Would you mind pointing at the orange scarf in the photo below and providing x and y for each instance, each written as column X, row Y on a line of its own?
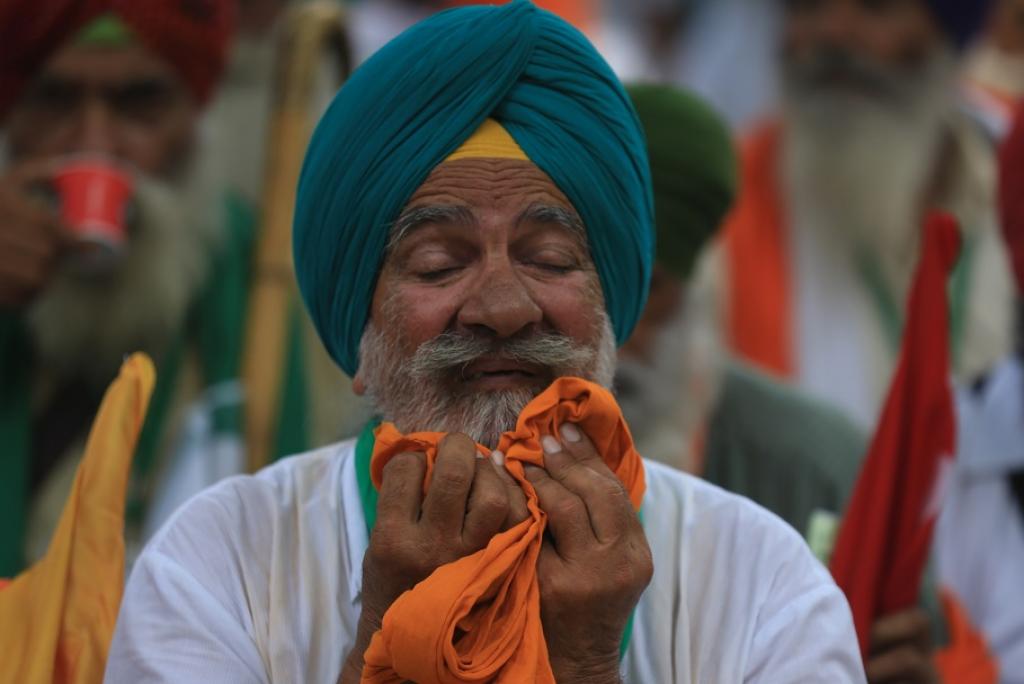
column 491, row 598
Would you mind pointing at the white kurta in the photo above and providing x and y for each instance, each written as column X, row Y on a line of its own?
column 258, row 579
column 979, row 542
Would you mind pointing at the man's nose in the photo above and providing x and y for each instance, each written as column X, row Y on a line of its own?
column 500, row 303
column 97, row 129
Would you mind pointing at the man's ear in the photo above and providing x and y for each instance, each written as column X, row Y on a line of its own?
column 358, row 386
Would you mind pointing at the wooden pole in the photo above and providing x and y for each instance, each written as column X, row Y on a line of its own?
column 311, row 30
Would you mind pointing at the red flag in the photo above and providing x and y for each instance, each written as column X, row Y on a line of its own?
column 885, row 538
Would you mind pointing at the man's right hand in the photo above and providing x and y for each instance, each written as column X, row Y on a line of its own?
column 31, row 236
column 468, row 501
column 901, row 649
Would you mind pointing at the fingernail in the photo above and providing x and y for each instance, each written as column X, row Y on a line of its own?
column 550, row 444
column 498, row 458
column 570, row 433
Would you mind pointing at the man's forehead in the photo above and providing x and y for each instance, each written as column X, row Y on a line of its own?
column 106, row 66
column 486, row 183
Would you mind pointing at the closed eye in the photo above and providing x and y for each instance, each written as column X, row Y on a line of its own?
column 559, row 269
column 438, row 274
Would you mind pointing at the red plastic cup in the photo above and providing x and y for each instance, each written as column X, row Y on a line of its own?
column 94, row 196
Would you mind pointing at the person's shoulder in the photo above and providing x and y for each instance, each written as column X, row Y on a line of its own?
column 791, row 405
column 234, row 577
column 245, row 511
column 796, row 432
column 739, row 569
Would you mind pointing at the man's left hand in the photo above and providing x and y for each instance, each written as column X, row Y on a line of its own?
column 595, row 564
column 901, row 650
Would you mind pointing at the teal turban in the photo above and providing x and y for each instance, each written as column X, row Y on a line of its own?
column 693, row 168
column 416, row 100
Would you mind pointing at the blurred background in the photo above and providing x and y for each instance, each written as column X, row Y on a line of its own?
column 815, row 139
column 798, row 148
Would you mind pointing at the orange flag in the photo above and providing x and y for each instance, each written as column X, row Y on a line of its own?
column 478, row 619
column 57, row 618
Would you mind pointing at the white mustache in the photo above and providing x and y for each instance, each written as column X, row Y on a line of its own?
column 451, row 350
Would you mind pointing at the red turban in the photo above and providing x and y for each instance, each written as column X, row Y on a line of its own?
column 1011, row 196
column 192, row 35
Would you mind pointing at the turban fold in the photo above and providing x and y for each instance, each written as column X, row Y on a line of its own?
column 961, row 19
column 414, row 102
column 192, row 35
column 693, row 169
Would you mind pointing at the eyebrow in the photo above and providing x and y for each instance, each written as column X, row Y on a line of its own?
column 417, row 217
column 555, row 215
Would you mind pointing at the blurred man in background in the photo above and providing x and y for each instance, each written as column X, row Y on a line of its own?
column 692, row 407
column 819, row 253
column 689, row 404
column 123, row 83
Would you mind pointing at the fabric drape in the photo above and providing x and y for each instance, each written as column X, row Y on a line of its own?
column 57, row 618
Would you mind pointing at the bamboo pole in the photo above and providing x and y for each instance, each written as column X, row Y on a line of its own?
column 311, row 30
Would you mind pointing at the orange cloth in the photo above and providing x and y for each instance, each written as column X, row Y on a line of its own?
column 967, row 658
column 583, row 14
column 478, row 619
column 57, row 617
column 759, row 295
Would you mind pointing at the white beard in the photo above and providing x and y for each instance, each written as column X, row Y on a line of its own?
column 83, row 326
column 417, row 401
column 859, row 168
column 667, row 401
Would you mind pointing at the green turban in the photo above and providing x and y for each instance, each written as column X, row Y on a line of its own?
column 416, row 101
column 693, row 168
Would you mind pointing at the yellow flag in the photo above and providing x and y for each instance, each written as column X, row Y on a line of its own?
column 57, row 617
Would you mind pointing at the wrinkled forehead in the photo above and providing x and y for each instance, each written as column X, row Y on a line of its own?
column 472, row 188
column 488, row 183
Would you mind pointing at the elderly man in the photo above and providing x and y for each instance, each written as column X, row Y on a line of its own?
column 474, row 221
column 820, row 250
column 125, row 83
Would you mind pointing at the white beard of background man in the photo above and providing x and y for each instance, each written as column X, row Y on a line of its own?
column 871, row 140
